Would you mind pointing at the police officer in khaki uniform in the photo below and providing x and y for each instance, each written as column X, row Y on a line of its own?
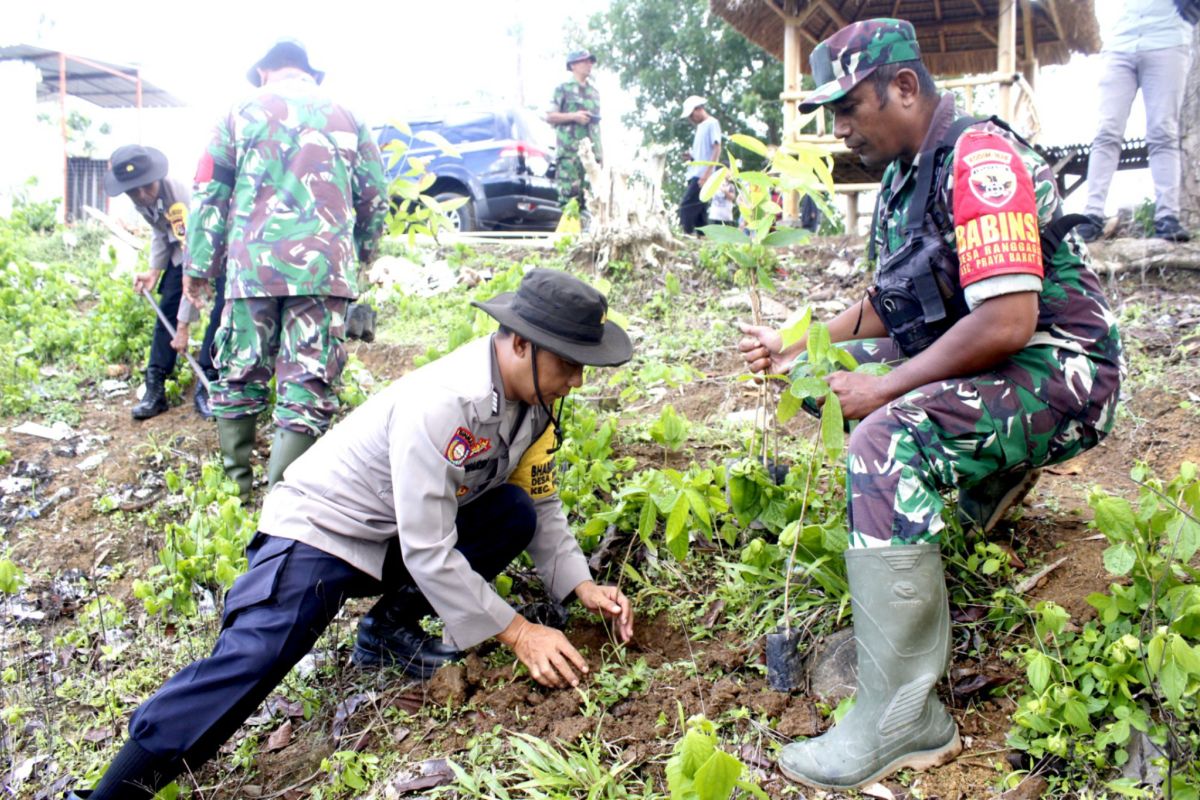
column 423, row 495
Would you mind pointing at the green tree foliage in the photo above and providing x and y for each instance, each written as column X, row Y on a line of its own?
column 665, row 50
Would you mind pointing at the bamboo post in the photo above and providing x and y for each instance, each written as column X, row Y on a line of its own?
column 1006, row 53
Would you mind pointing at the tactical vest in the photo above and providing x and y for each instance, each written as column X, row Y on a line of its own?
column 917, row 293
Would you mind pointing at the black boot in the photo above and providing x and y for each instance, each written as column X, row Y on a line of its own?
column 154, row 401
column 390, row 635
column 200, row 398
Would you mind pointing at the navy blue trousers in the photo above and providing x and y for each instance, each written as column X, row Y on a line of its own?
column 170, row 290
column 273, row 616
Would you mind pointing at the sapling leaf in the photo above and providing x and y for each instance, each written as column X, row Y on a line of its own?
column 785, row 237
column 833, row 433
column 750, row 143
column 717, row 776
column 723, row 234
column 808, row 386
column 1120, row 559
column 647, row 519
column 1114, row 517
column 789, row 406
column 795, row 331
column 710, row 187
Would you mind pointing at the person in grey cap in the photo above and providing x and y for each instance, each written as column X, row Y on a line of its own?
column 422, row 495
column 575, row 113
column 290, row 202
column 141, row 174
column 1003, row 357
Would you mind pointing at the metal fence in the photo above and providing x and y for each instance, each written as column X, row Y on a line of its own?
column 85, row 186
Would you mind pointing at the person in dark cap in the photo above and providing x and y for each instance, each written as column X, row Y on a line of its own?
column 575, row 113
column 290, row 202
column 422, row 495
column 1004, row 355
column 141, row 174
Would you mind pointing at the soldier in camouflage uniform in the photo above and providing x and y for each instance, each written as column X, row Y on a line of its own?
column 1005, row 358
column 290, row 198
column 575, row 112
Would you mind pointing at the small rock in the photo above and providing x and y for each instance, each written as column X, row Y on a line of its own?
column 15, row 485
column 91, row 462
column 55, row 433
column 114, row 388
column 840, row 268
column 117, row 370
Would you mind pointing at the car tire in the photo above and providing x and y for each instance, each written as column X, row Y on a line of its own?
column 463, row 218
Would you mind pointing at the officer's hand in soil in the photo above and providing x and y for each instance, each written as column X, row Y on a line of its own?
column 608, row 601
column 180, row 343
column 196, row 290
column 545, row 651
column 146, row 281
column 761, row 348
column 859, row 393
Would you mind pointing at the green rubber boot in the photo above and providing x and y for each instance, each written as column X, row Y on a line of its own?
column 902, row 636
column 237, row 440
column 287, row 447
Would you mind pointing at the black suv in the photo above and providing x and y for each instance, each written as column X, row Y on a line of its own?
column 502, row 166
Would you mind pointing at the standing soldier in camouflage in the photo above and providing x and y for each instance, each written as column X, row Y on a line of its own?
column 1006, row 357
column 290, row 198
column 575, row 112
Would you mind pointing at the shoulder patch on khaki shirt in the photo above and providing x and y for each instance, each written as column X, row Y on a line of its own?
column 463, row 444
column 535, row 472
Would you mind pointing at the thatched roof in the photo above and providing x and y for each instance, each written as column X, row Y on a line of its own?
column 956, row 36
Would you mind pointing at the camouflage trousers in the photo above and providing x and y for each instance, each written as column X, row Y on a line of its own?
column 944, row 436
column 570, row 177
column 299, row 340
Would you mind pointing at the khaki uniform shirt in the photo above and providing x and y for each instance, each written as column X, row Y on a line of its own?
column 405, row 461
column 168, row 220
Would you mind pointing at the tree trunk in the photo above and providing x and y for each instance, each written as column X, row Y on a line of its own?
column 1189, row 125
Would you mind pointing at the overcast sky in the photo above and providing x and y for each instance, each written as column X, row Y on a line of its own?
column 401, row 58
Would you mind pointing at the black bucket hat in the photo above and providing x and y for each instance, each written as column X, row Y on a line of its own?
column 132, row 166
column 562, row 314
column 296, row 53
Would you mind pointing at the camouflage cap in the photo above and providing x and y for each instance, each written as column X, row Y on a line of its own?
column 853, row 53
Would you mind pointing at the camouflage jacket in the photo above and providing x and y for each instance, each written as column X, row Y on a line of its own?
column 289, row 192
column 1076, row 333
column 570, row 97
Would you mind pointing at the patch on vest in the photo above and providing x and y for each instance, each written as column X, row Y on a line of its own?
column 463, row 445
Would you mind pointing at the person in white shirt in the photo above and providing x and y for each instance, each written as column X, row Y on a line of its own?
column 1148, row 48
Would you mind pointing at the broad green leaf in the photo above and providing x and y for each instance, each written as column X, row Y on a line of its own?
column 1185, row 655
column 676, row 531
column 647, row 520
column 699, row 507
column 809, row 387
column 10, row 577
column 750, row 143
column 1114, row 517
column 789, row 406
column 723, row 234
column 833, row 434
column 795, row 331
column 709, row 190
column 717, row 776
column 819, row 344
column 1173, row 681
column 785, row 237
column 1183, row 538
column 1120, row 559
column 1039, row 672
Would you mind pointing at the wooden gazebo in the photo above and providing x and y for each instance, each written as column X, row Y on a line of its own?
column 1000, row 42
